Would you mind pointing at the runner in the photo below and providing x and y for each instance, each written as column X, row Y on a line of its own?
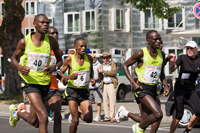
column 54, row 99
column 80, row 73
column 34, row 69
column 149, row 70
column 185, row 86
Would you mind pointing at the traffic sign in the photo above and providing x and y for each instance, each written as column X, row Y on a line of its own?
column 196, row 10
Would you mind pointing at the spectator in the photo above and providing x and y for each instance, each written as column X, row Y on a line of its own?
column 96, row 90
column 109, row 82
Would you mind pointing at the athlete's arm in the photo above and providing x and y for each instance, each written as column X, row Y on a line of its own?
column 15, row 57
column 91, row 69
column 162, row 77
column 136, row 57
column 173, row 66
column 66, row 65
column 55, row 48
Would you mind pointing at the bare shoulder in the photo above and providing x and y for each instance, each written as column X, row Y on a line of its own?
column 21, row 43
column 67, row 60
column 138, row 54
column 52, row 41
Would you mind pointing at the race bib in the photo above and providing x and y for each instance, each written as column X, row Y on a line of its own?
column 185, row 76
column 36, row 61
column 53, row 61
column 83, row 78
column 152, row 74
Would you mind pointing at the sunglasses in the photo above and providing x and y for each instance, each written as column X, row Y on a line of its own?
column 93, row 57
column 105, row 57
column 189, row 48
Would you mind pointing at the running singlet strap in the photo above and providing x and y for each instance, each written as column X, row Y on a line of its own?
column 35, row 57
column 83, row 71
column 149, row 73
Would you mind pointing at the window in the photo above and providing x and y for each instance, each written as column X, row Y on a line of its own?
column 89, row 20
column 120, row 19
column 178, row 52
column 32, row 5
column 72, row 22
column 150, row 21
column 27, row 30
column 50, row 21
column 1, row 9
column 173, row 22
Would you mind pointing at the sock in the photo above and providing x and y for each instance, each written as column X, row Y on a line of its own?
column 23, row 110
column 125, row 112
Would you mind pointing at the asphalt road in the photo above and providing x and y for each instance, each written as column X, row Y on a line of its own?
column 95, row 127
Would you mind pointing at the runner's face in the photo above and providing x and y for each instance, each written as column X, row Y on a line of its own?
column 191, row 52
column 154, row 40
column 53, row 32
column 81, row 47
column 42, row 24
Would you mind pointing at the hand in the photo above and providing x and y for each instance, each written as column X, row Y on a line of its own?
column 166, row 91
column 25, row 70
column 74, row 76
column 137, row 87
column 92, row 81
column 64, row 81
column 48, row 69
column 100, row 70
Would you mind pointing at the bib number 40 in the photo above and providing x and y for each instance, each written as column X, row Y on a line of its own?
column 37, row 63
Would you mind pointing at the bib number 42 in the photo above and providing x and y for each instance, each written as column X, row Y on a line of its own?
column 153, row 74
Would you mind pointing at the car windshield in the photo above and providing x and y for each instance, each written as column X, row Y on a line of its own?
column 119, row 61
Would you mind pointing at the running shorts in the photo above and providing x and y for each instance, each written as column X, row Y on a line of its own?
column 53, row 92
column 147, row 90
column 78, row 95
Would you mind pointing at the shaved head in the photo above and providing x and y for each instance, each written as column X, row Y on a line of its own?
column 38, row 16
column 149, row 33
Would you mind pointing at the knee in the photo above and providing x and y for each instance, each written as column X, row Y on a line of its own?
column 43, row 119
column 159, row 115
column 75, row 122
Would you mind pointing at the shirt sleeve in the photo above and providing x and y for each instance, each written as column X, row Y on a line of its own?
column 179, row 60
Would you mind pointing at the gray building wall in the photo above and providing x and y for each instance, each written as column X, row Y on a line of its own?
column 56, row 12
column 105, row 39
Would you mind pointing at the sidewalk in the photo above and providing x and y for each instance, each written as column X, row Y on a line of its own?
column 130, row 106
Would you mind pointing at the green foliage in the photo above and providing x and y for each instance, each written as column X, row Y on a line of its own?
column 159, row 7
column 11, row 98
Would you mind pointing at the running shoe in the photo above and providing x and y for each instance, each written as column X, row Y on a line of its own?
column 185, row 131
column 119, row 114
column 21, row 107
column 97, row 118
column 13, row 118
column 136, row 130
column 70, row 118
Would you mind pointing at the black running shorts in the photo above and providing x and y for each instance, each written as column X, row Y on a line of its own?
column 147, row 90
column 33, row 88
column 53, row 92
column 78, row 95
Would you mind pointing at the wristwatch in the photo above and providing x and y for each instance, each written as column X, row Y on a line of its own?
column 165, row 85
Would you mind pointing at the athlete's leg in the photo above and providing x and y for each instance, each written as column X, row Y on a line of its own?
column 192, row 101
column 55, row 106
column 135, row 117
column 179, row 106
column 155, row 125
column 37, row 113
column 148, row 104
column 86, row 109
column 73, row 107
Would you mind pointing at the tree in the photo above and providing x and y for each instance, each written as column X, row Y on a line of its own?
column 10, row 34
column 159, row 7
